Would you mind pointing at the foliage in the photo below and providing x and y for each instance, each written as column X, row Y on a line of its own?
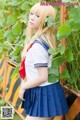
column 13, row 22
column 70, row 31
column 57, row 61
column 49, row 21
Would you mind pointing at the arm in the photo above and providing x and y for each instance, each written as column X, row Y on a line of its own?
column 40, row 59
column 43, row 76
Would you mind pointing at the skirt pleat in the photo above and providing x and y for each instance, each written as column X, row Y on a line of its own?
column 45, row 101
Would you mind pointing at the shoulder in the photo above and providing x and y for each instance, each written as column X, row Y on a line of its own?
column 38, row 50
column 38, row 46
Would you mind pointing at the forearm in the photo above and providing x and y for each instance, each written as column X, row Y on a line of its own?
column 41, row 78
column 35, row 82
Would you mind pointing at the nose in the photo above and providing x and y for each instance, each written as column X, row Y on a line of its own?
column 32, row 17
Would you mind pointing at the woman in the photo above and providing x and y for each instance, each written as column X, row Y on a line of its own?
column 41, row 100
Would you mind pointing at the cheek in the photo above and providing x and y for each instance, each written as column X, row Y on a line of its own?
column 37, row 23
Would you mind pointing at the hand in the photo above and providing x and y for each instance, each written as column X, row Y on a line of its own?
column 21, row 93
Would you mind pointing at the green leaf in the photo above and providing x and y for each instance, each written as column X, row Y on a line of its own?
column 11, row 20
column 65, row 1
column 64, row 31
column 57, row 62
column 15, row 73
column 73, row 12
column 18, row 58
column 65, row 74
column 2, row 3
column 54, row 71
column 4, row 46
column 1, row 54
column 61, row 49
column 1, row 36
column 53, row 52
column 17, row 50
column 49, row 21
column 25, row 6
column 79, row 58
column 73, row 0
column 12, row 3
column 23, row 18
column 53, row 78
column 6, row 33
column 17, row 28
column 11, row 54
column 14, row 58
column 2, row 102
column 69, row 55
column 60, row 37
column 75, row 25
column 9, row 36
column 69, row 81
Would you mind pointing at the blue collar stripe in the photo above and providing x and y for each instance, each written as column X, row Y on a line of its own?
column 44, row 44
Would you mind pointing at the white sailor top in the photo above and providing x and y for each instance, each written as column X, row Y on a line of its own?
column 37, row 56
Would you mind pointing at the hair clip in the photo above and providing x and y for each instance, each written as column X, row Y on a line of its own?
column 49, row 21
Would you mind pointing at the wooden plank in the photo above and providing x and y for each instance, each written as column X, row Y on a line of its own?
column 13, row 91
column 20, row 109
column 63, row 66
column 2, row 64
column 64, row 15
column 4, row 78
column 2, row 68
column 72, row 91
column 74, row 110
column 58, row 118
column 10, row 89
column 16, row 96
column 9, row 68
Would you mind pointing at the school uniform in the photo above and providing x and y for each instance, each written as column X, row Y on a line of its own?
column 47, row 99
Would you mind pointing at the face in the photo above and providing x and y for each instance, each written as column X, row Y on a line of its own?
column 34, row 21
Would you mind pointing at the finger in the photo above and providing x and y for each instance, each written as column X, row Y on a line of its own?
column 22, row 98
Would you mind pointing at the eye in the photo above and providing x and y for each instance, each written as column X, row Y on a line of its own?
column 37, row 15
column 31, row 13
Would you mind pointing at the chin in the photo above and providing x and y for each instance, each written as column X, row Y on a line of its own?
column 31, row 26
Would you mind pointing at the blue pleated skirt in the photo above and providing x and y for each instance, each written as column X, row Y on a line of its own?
column 45, row 101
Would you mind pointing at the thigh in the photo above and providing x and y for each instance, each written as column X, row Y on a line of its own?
column 38, row 118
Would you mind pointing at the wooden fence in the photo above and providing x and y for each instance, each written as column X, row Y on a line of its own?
column 9, row 88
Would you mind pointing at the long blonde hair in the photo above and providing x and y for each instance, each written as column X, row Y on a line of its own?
column 44, row 11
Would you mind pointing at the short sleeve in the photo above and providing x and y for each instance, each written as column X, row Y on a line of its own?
column 39, row 56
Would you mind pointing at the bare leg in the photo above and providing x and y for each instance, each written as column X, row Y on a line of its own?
column 37, row 118
column 61, row 117
column 58, row 118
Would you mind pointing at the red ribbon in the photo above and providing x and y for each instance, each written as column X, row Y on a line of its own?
column 22, row 71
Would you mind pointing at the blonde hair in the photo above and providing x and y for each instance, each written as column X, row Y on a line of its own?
column 44, row 11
